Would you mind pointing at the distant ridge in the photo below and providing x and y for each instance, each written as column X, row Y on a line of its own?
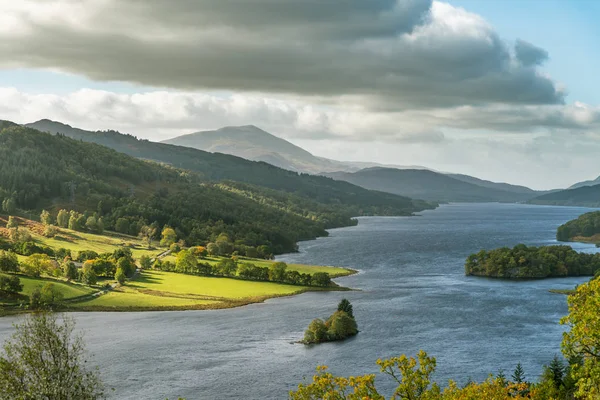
column 429, row 185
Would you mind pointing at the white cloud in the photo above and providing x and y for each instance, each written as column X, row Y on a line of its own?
column 384, row 54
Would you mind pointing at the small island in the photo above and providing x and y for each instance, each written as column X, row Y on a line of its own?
column 523, row 262
column 339, row 326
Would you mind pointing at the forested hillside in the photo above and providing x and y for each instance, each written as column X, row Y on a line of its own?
column 585, row 196
column 38, row 170
column 585, row 228
column 347, row 198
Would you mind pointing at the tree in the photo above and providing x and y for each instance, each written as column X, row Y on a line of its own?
column 69, row 270
column 89, row 277
column 12, row 223
column 186, row 262
column 120, row 276
column 73, row 221
column 44, row 359
column 212, row 249
column 341, row 326
column 92, row 224
column 145, row 262
column 518, row 375
column 122, row 225
column 277, row 272
column 50, row 231
column 316, row 332
column 99, row 226
column 413, row 376
column 37, row 264
column 8, row 261
column 168, row 236
column 582, row 342
column 345, row 306
column 227, row 267
column 35, row 299
column 321, row 279
column 46, row 218
column 50, row 295
column 9, row 205
column 127, row 266
column 557, row 371
column 147, row 234
column 10, row 284
column 62, row 219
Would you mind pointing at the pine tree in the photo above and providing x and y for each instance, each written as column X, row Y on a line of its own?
column 345, row 306
column 519, row 375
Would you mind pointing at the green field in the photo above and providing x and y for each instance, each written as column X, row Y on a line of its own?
column 69, row 290
column 155, row 290
column 334, row 272
column 106, row 243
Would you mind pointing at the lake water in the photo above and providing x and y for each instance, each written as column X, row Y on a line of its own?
column 413, row 295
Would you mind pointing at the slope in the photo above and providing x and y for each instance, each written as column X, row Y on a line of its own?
column 38, row 170
column 427, row 185
column 585, row 196
column 341, row 197
column 585, row 183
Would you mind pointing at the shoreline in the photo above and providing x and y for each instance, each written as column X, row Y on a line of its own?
column 220, row 303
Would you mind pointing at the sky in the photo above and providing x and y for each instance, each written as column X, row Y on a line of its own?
column 503, row 90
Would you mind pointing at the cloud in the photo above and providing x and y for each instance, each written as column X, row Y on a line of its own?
column 162, row 114
column 530, row 55
column 385, row 55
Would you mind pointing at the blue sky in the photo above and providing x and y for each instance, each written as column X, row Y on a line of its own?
column 568, row 30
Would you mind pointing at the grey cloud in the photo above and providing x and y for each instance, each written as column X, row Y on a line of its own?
column 528, row 54
column 385, row 54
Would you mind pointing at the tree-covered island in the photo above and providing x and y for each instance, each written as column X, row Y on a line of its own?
column 339, row 326
column 523, row 262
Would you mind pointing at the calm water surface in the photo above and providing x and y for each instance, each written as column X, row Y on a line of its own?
column 413, row 295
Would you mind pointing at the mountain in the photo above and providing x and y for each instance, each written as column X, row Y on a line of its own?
column 586, row 183
column 584, row 196
column 340, row 199
column 506, row 187
column 253, row 143
column 430, row 185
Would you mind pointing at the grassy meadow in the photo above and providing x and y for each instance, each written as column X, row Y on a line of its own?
column 150, row 289
column 69, row 290
column 156, row 290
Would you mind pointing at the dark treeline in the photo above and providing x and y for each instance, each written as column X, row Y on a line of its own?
column 586, row 225
column 39, row 170
column 187, row 263
column 532, row 262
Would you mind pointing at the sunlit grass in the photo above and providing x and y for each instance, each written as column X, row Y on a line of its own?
column 69, row 290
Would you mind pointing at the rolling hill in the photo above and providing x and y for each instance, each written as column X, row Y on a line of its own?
column 584, row 196
column 429, row 185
